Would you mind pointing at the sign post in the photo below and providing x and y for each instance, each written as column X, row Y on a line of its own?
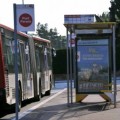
column 16, row 66
column 23, row 21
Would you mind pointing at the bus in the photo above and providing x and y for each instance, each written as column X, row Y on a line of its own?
column 34, row 63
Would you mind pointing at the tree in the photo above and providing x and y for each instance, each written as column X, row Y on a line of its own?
column 117, row 7
column 42, row 30
column 115, row 17
column 115, row 10
column 104, row 17
column 112, row 11
column 51, row 34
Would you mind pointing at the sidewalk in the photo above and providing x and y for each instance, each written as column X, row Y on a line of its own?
column 57, row 109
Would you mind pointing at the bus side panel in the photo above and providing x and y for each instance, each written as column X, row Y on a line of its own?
column 2, row 77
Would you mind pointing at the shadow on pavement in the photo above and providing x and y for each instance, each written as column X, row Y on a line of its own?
column 9, row 109
column 62, row 111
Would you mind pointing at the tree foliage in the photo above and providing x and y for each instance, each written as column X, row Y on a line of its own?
column 105, row 16
column 114, row 10
column 58, row 41
column 117, row 8
column 115, row 17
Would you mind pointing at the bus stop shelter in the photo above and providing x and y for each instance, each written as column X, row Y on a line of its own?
column 91, row 63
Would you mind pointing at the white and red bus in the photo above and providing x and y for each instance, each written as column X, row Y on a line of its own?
column 34, row 66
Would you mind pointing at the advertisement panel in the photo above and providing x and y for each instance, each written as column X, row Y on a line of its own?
column 92, row 66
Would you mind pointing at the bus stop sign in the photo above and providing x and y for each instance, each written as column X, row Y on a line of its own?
column 25, row 20
column 25, row 17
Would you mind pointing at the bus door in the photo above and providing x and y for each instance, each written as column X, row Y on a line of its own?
column 26, row 73
column 42, row 69
column 46, row 68
column 37, row 54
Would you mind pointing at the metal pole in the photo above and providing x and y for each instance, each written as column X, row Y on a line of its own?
column 22, row 1
column 71, row 66
column 16, row 66
column 74, row 65
column 114, row 65
column 67, row 68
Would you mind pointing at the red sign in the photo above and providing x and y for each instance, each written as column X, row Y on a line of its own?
column 25, row 20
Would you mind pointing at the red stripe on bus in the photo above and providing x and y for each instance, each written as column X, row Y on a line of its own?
column 2, row 77
column 12, row 30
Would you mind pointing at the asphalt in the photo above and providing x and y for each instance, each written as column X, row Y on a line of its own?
column 57, row 108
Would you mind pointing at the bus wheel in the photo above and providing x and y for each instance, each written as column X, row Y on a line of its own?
column 48, row 92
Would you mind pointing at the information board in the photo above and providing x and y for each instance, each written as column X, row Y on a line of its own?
column 92, row 66
column 72, row 19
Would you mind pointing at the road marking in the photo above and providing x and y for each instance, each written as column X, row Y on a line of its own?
column 38, row 105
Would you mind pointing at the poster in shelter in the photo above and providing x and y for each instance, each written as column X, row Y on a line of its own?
column 92, row 65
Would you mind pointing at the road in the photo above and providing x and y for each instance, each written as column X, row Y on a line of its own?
column 9, row 114
column 60, row 86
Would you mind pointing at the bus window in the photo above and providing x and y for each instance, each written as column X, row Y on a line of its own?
column 42, row 65
column 27, row 61
column 18, row 56
column 37, row 60
column 46, row 59
column 9, row 59
column 49, row 55
column 9, row 52
column 9, row 56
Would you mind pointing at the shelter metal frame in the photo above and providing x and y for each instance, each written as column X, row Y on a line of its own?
column 92, row 28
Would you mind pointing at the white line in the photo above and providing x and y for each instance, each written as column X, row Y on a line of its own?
column 38, row 105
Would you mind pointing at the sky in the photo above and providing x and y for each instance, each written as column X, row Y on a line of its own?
column 52, row 11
